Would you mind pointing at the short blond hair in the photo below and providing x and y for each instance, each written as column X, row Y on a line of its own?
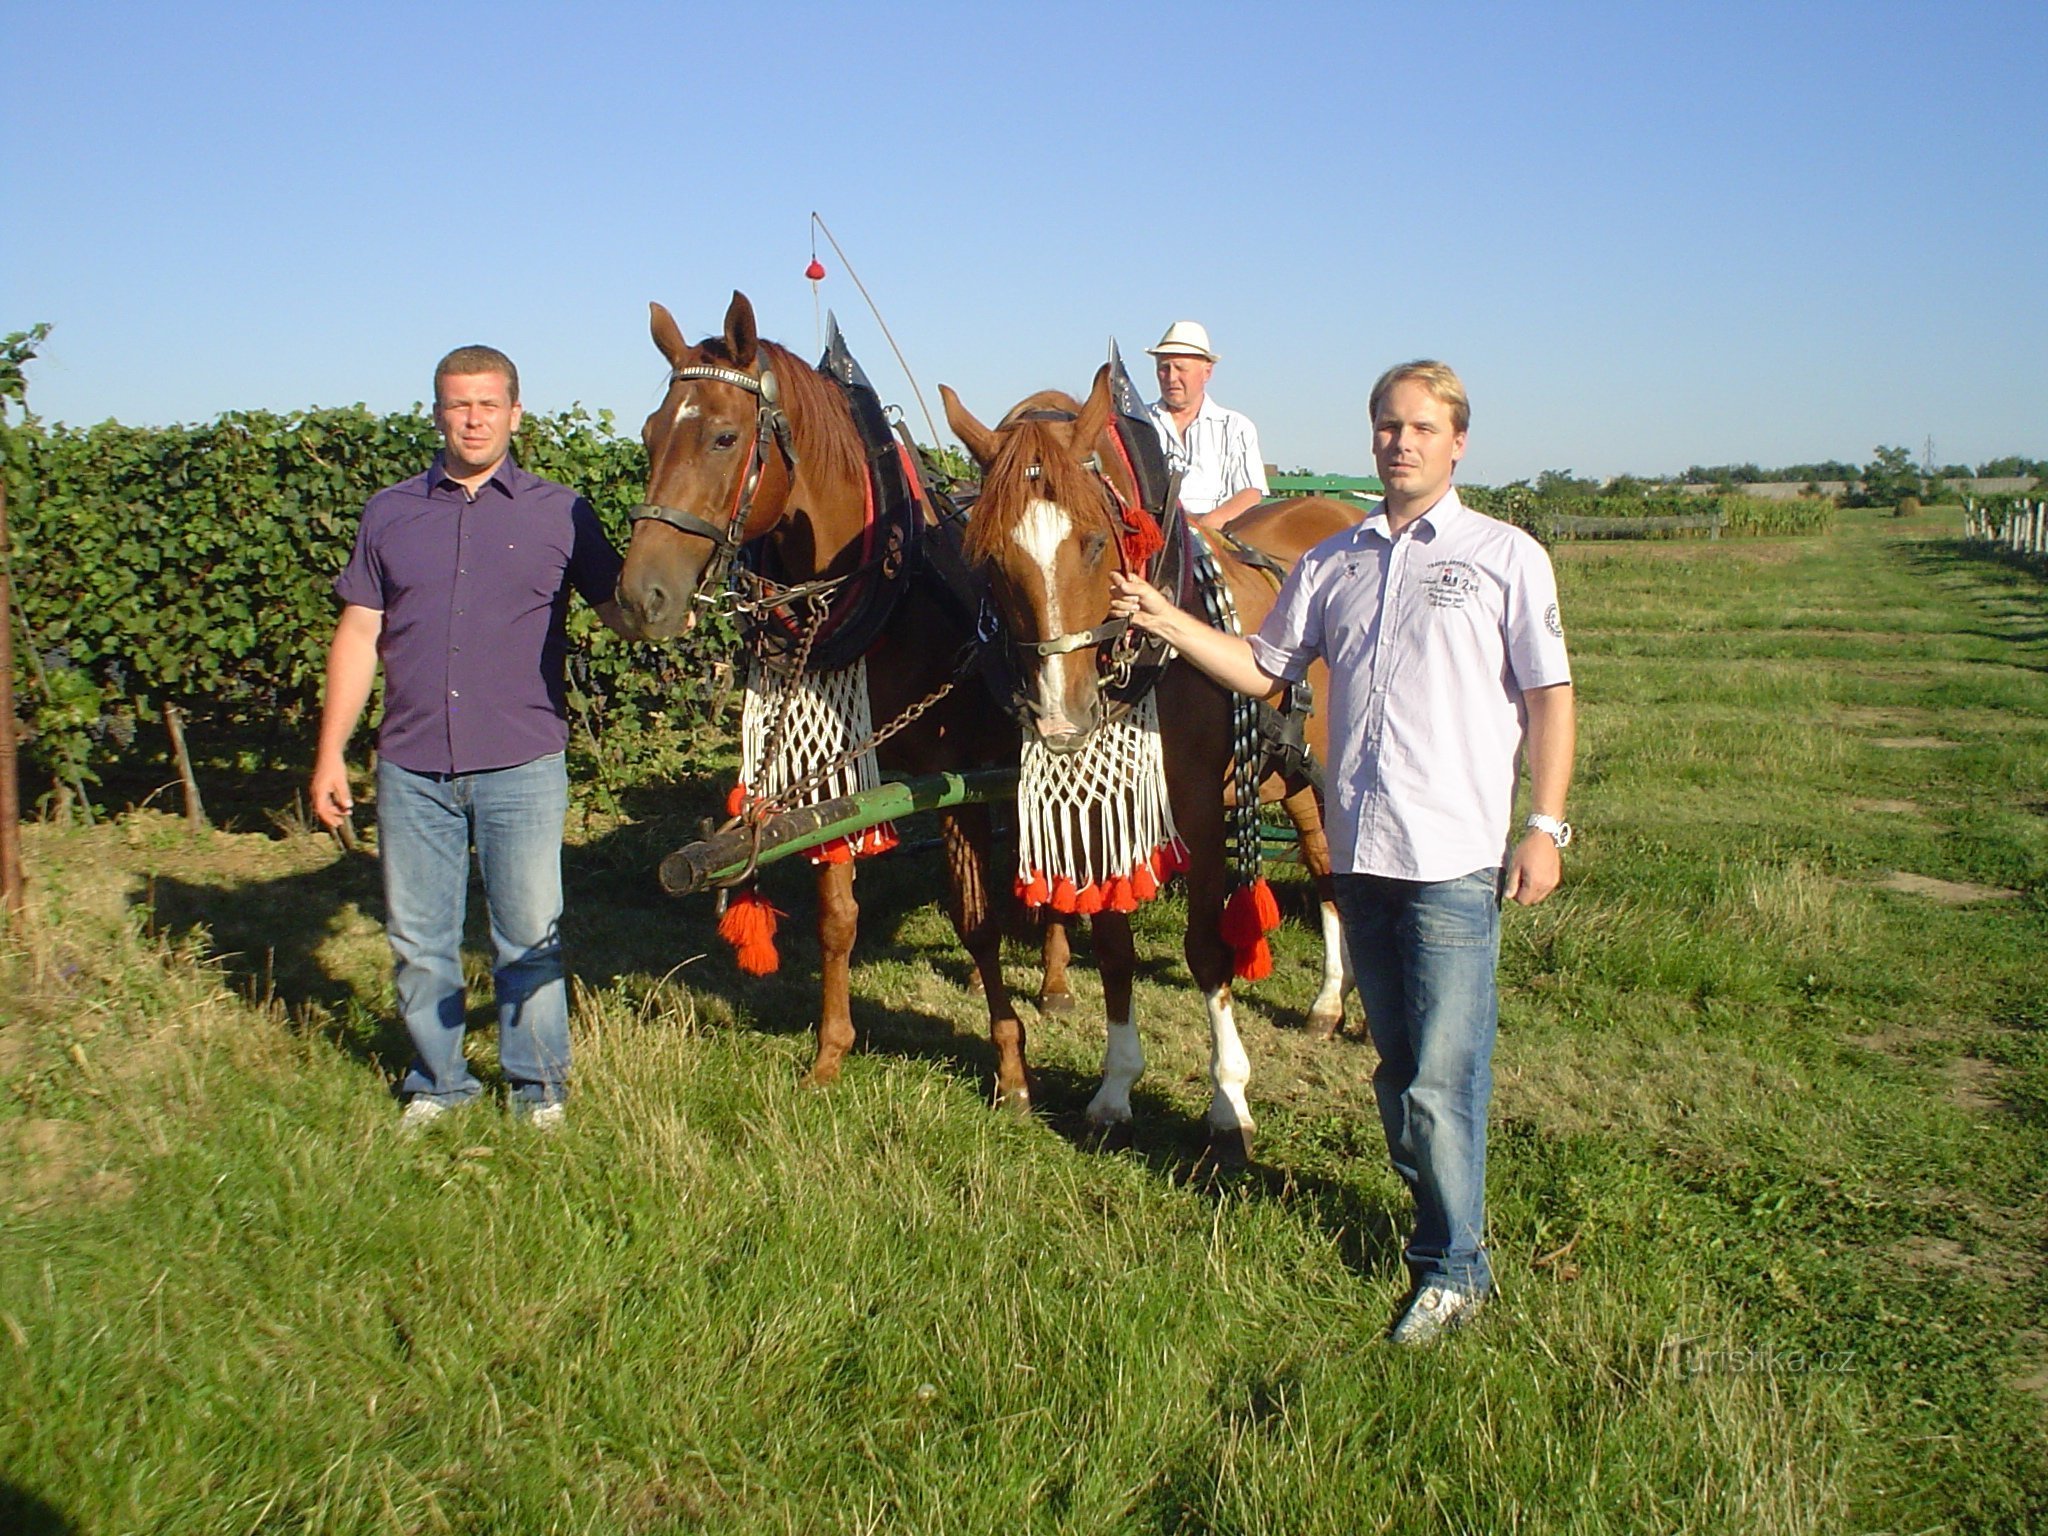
column 464, row 361
column 1438, row 378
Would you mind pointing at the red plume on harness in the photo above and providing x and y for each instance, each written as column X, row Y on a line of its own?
column 1141, row 538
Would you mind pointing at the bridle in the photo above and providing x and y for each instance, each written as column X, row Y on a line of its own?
column 1116, row 633
column 771, row 426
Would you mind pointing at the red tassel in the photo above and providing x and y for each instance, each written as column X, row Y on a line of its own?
column 1265, row 905
column 1144, row 884
column 749, row 927
column 1240, row 923
column 1255, row 964
column 1036, row 891
column 1088, row 900
column 1063, row 894
column 1144, row 539
column 838, row 851
column 1121, row 898
column 736, row 799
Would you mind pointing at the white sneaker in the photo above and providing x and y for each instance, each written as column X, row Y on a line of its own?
column 1435, row 1309
column 419, row 1114
column 547, row 1118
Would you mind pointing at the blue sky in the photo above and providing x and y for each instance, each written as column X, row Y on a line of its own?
column 1646, row 238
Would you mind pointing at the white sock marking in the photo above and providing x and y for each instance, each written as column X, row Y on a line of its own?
column 1229, row 1067
column 1123, row 1062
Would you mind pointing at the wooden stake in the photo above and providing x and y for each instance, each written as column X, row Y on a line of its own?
column 11, row 877
column 195, row 813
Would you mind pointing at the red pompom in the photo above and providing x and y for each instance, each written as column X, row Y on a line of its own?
column 1256, row 963
column 1121, row 898
column 815, row 270
column 1063, row 894
column 838, row 851
column 749, row 927
column 1240, row 925
column 1035, row 892
column 1088, row 900
column 1143, row 541
column 1144, row 884
column 736, row 800
column 1265, row 905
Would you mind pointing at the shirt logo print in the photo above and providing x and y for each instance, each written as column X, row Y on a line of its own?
column 1552, row 622
column 1450, row 583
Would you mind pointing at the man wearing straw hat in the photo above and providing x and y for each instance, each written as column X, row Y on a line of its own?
column 1214, row 450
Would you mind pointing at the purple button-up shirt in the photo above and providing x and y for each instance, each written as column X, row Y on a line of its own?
column 475, row 596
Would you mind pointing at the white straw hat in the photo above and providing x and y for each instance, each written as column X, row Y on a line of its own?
column 1184, row 338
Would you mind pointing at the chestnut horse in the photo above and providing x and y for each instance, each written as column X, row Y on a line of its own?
column 750, row 446
column 1047, row 529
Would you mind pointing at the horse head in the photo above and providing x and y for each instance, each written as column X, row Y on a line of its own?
column 1049, row 532
column 721, row 466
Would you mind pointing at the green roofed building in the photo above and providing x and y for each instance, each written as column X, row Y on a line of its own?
column 1344, row 487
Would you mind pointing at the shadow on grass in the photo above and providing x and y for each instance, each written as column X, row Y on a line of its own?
column 2018, row 579
column 276, row 940
column 24, row 1514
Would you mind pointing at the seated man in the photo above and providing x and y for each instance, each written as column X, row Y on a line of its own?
column 1215, row 451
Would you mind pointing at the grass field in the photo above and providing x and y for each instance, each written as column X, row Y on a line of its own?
column 1767, row 1193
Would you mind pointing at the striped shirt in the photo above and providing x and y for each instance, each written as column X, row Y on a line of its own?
column 1217, row 458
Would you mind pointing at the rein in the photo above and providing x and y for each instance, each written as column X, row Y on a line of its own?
column 771, row 428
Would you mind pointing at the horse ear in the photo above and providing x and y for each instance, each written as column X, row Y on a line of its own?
column 1094, row 415
column 668, row 336
column 741, row 339
column 981, row 443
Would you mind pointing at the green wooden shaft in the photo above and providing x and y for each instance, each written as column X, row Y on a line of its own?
column 725, row 855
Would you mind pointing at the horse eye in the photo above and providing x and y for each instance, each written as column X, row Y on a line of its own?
column 725, row 439
column 1093, row 546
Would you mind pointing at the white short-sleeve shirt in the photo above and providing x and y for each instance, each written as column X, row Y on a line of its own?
column 1431, row 638
column 1217, row 458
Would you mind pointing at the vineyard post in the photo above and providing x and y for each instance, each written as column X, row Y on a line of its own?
column 11, row 893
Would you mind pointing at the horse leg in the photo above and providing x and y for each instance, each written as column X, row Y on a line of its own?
column 1198, row 813
column 838, row 917
column 970, row 905
column 1326, row 1013
column 1054, row 994
column 1123, row 1057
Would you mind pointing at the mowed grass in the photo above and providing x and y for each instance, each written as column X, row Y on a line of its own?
column 1767, row 1186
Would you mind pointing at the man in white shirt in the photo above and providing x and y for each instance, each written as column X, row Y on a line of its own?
column 1447, row 665
column 1215, row 451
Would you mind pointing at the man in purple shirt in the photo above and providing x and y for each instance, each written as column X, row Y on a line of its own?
column 459, row 585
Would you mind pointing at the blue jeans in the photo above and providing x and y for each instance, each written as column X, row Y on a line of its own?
column 1424, row 955
column 425, row 826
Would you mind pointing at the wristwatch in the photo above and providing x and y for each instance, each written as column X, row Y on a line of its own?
column 1560, row 831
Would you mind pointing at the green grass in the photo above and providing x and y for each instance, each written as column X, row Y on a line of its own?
column 1767, row 1191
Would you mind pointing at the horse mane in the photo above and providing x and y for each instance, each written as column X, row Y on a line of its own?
column 827, row 441
column 1007, row 490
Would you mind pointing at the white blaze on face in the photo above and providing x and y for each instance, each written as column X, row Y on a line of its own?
column 1040, row 533
column 1229, row 1067
column 686, row 410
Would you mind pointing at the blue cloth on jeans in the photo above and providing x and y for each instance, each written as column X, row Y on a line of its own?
column 426, row 824
column 1423, row 954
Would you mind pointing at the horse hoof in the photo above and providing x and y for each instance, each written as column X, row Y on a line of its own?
column 1055, row 1002
column 976, row 987
column 1110, row 1136
column 1331, row 1028
column 1231, row 1148
column 1017, row 1101
column 818, row 1078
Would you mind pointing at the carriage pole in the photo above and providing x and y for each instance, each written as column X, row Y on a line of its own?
column 730, row 855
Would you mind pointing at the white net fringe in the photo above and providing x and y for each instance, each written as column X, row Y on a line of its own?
column 827, row 716
column 1096, row 813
